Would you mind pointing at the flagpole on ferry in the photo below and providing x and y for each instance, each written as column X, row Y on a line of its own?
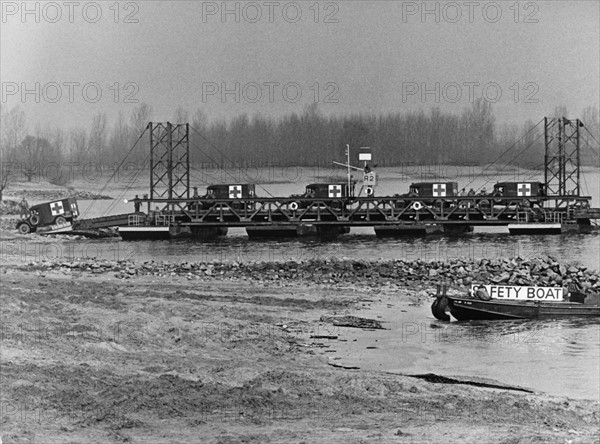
column 348, row 166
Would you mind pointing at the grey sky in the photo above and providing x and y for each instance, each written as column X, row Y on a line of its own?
column 361, row 56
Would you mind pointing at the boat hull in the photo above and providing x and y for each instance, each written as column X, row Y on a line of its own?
column 464, row 309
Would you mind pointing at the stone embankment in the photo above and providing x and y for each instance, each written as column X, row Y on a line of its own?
column 458, row 272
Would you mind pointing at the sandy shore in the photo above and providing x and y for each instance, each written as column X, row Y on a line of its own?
column 93, row 357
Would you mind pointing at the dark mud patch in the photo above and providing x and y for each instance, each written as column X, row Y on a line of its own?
column 437, row 379
column 353, row 321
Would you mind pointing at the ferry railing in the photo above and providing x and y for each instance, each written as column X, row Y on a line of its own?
column 554, row 217
column 522, row 217
column 164, row 219
column 136, row 220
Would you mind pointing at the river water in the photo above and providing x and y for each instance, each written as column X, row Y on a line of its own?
column 557, row 357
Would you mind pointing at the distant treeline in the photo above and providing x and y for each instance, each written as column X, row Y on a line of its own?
column 312, row 139
column 306, row 139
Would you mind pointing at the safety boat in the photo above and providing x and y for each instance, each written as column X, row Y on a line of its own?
column 516, row 302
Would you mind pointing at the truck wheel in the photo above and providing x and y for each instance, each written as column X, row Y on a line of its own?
column 24, row 228
column 34, row 219
column 60, row 220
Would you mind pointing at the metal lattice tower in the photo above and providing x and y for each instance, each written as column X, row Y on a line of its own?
column 169, row 161
column 561, row 136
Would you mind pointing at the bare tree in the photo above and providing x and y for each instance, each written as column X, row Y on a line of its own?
column 57, row 175
column 119, row 138
column 591, row 144
column 78, row 144
column 6, row 172
column 181, row 115
column 199, row 126
column 56, row 136
column 97, row 138
column 199, row 120
column 139, row 118
column 481, row 130
column 561, row 111
column 5, row 164
column 13, row 126
column 32, row 154
column 138, row 122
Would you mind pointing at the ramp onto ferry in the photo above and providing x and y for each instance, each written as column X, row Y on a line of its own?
column 103, row 222
column 87, row 227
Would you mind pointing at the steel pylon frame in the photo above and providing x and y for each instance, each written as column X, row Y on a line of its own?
column 169, row 161
column 562, row 157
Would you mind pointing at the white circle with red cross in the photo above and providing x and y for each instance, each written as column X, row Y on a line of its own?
column 439, row 190
column 335, row 191
column 235, row 191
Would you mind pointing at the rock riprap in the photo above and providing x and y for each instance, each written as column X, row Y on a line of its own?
column 545, row 271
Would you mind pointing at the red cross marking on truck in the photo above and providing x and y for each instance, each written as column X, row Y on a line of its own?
column 439, row 189
column 524, row 189
column 235, row 191
column 335, row 191
column 56, row 208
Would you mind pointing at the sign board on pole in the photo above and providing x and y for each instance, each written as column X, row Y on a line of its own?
column 369, row 179
column 516, row 292
column 364, row 153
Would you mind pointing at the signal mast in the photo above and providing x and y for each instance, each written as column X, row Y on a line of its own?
column 369, row 176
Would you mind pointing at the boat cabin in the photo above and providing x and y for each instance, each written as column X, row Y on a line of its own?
column 519, row 189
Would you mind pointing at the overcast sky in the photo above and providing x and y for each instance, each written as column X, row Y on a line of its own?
column 278, row 57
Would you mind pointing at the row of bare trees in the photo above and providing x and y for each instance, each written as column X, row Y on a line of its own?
column 311, row 139
column 306, row 139
column 27, row 151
